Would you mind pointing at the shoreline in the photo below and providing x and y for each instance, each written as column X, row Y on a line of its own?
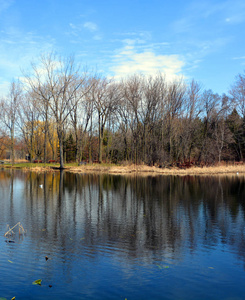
column 142, row 170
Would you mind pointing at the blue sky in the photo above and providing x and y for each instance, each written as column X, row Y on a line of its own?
column 204, row 40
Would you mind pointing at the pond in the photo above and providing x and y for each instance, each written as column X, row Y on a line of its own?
column 112, row 237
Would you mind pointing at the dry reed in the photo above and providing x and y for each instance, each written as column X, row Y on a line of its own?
column 10, row 231
column 146, row 170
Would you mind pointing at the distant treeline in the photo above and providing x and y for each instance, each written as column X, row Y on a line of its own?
column 60, row 112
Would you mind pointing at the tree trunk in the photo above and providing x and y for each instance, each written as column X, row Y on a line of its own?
column 100, row 140
column 60, row 137
column 45, row 136
column 12, row 146
column 76, row 147
column 100, row 146
column 90, row 141
column 45, row 147
column 61, row 154
column 32, row 146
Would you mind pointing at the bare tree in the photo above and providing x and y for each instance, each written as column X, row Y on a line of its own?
column 88, row 109
column 123, row 111
column 211, row 103
column 79, row 115
column 238, row 93
column 236, row 126
column 56, row 82
column 154, row 94
column 104, row 103
column 190, row 121
column 174, row 108
column 28, row 120
column 221, row 132
column 9, row 111
column 132, row 94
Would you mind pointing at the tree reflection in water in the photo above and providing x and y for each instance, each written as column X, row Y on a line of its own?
column 139, row 216
column 111, row 237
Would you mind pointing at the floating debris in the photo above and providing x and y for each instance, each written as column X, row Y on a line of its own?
column 37, row 282
column 162, row 267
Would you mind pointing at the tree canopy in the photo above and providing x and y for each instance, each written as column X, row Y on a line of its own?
column 62, row 113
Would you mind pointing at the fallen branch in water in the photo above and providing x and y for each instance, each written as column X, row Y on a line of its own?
column 10, row 232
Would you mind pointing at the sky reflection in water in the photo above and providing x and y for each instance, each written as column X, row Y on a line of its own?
column 113, row 237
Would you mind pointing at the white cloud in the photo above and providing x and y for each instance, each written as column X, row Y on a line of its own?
column 90, row 26
column 129, row 61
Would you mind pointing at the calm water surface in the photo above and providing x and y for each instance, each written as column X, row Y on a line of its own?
column 113, row 237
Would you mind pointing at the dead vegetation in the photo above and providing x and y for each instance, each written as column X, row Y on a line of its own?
column 10, row 232
column 132, row 169
column 144, row 170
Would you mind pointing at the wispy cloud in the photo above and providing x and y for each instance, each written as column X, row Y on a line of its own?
column 91, row 26
column 146, row 35
column 202, row 14
column 17, row 50
column 73, row 26
column 77, row 29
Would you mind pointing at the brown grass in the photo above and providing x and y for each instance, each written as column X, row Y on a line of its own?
column 38, row 169
column 145, row 170
column 17, row 161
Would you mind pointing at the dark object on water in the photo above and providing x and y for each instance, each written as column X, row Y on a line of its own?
column 9, row 241
column 50, row 285
column 46, row 257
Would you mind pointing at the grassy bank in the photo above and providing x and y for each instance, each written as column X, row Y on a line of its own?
column 145, row 170
column 31, row 166
column 133, row 169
